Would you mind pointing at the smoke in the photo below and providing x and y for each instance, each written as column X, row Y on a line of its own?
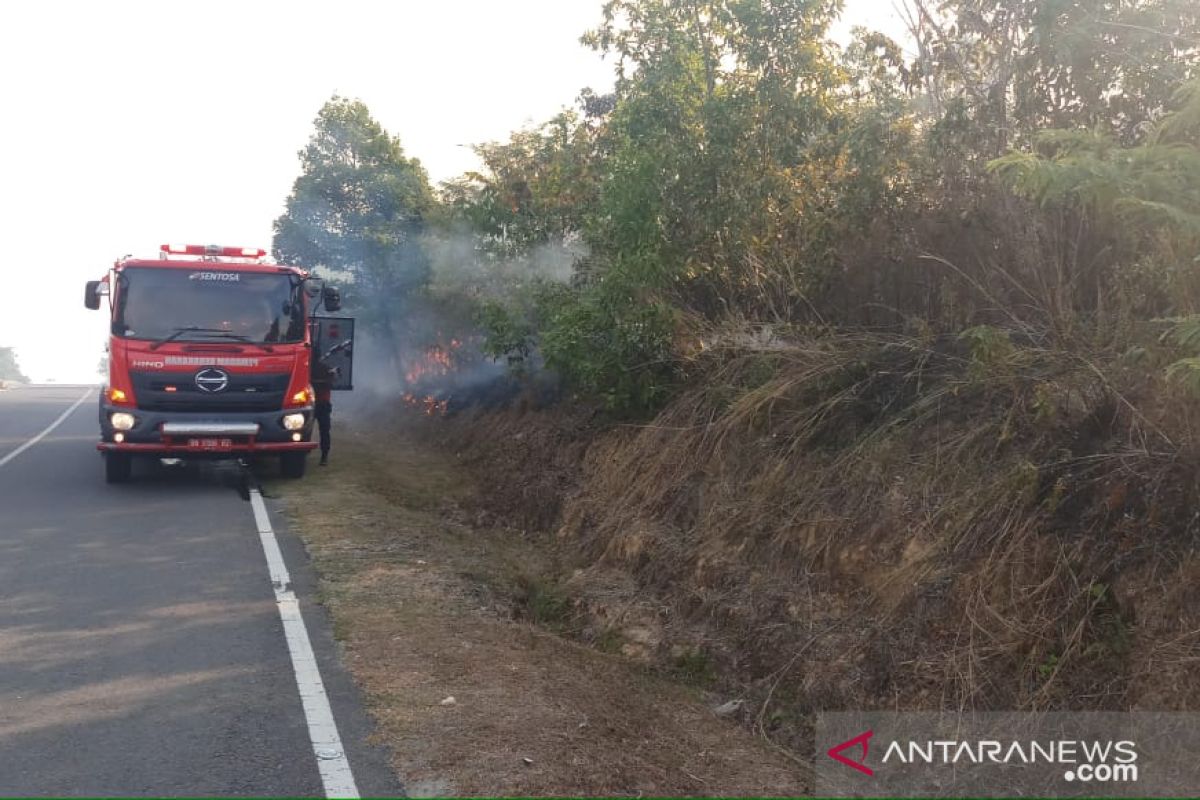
column 422, row 348
column 374, row 364
column 461, row 261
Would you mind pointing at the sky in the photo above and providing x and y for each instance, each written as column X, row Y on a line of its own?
column 132, row 124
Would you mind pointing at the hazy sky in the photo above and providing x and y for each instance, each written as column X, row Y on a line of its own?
column 131, row 124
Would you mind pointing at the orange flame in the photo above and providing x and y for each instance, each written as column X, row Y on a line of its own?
column 436, row 362
column 430, row 405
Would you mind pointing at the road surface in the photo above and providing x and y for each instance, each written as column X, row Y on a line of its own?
column 142, row 650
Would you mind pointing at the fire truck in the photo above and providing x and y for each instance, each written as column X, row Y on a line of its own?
column 210, row 356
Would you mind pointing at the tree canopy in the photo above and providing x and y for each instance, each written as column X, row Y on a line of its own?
column 745, row 165
column 359, row 207
column 9, row 369
column 1032, row 162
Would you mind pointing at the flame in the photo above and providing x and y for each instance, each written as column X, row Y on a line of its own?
column 430, row 405
column 436, row 362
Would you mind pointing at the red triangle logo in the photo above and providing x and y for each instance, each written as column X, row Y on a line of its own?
column 861, row 740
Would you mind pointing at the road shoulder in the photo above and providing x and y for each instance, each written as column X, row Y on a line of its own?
column 472, row 693
column 368, row 758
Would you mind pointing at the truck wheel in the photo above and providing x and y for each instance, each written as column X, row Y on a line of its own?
column 117, row 467
column 292, row 464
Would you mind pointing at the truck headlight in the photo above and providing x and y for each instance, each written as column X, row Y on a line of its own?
column 293, row 422
column 122, row 421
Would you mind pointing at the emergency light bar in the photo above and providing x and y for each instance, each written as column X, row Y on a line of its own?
column 213, row 251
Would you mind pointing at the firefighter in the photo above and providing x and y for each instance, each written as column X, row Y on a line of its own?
column 322, row 380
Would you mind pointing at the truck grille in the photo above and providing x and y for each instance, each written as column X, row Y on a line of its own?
column 243, row 393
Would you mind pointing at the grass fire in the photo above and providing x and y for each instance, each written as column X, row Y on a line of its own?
column 429, row 376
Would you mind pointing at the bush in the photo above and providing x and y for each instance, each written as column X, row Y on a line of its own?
column 604, row 342
column 610, row 344
column 506, row 332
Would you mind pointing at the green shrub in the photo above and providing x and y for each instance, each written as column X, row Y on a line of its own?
column 611, row 345
column 505, row 330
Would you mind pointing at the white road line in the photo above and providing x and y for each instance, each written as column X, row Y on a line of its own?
column 47, row 430
column 322, row 730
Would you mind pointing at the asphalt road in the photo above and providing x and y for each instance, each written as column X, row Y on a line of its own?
column 141, row 649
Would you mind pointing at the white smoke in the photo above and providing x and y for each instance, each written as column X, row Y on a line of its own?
column 459, row 263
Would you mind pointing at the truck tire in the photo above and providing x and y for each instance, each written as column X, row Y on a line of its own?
column 293, row 464
column 118, row 467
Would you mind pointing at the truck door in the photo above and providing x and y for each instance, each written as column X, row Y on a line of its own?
column 333, row 343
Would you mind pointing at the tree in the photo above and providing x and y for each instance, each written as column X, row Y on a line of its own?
column 359, row 206
column 9, row 369
column 1024, row 65
column 533, row 189
column 1144, row 199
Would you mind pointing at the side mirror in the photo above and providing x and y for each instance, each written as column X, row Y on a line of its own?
column 93, row 292
column 332, row 298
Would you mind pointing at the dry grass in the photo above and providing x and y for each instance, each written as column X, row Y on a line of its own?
column 845, row 522
column 867, row 522
column 428, row 607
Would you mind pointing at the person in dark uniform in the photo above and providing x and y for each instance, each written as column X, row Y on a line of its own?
column 322, row 380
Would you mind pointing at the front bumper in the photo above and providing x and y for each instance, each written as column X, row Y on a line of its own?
column 192, row 434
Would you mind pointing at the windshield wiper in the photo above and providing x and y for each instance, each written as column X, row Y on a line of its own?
column 218, row 333
column 175, row 334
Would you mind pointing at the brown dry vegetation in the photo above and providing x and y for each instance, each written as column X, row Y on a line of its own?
column 862, row 521
column 429, row 604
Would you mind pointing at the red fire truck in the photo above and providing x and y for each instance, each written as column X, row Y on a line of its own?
column 210, row 356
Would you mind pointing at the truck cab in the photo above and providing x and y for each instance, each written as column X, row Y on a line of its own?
column 210, row 354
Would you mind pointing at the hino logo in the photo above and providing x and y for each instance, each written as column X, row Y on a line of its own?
column 212, row 380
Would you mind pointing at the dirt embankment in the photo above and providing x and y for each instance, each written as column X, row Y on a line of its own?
column 453, row 623
column 875, row 523
column 850, row 523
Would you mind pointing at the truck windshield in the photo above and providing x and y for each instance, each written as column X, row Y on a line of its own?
column 208, row 303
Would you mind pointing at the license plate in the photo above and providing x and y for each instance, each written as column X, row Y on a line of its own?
column 211, row 444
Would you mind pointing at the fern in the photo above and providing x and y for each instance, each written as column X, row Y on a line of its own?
column 1186, row 372
column 1184, row 122
column 1184, row 332
column 1153, row 212
column 1155, row 185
